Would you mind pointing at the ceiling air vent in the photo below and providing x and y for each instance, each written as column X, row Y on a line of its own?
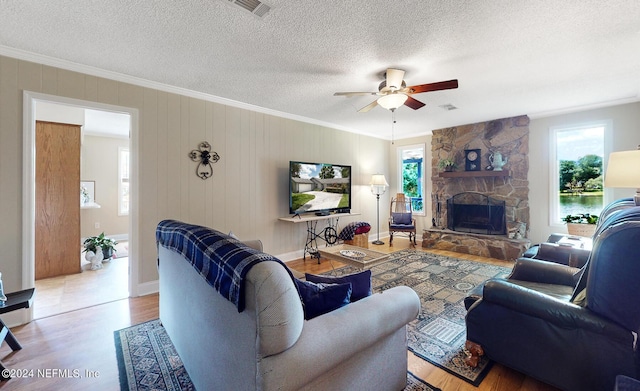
column 256, row 7
column 448, row 107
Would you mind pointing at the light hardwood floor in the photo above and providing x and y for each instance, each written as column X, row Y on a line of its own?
column 57, row 295
column 83, row 340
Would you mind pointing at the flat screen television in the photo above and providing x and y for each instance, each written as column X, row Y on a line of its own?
column 319, row 188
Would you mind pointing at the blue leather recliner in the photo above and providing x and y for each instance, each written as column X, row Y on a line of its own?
column 572, row 328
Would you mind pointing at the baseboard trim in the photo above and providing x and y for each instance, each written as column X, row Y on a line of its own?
column 15, row 318
column 148, row 288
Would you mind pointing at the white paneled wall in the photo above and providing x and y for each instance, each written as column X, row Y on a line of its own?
column 248, row 191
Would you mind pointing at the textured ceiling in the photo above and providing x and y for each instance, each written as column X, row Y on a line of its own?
column 511, row 57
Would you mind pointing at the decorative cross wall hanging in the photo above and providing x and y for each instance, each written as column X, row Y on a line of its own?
column 205, row 157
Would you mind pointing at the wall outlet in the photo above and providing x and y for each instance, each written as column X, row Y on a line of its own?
column 96, row 225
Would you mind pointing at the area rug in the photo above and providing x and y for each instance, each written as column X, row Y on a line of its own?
column 439, row 332
column 148, row 361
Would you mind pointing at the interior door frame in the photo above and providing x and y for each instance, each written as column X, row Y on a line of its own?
column 28, row 184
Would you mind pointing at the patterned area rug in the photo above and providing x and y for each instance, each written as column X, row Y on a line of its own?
column 439, row 333
column 147, row 360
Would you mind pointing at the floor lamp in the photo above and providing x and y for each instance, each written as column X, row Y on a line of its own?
column 378, row 187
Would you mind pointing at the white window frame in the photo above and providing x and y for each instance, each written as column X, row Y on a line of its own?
column 121, row 180
column 554, row 169
column 400, row 151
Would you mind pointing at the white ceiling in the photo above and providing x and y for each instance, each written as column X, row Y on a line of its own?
column 105, row 123
column 511, row 57
column 94, row 122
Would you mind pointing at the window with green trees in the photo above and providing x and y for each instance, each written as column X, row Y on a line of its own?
column 411, row 164
column 578, row 170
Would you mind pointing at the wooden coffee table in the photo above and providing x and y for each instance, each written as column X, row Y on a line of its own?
column 369, row 260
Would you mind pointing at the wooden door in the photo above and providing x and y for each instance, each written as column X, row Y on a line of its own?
column 57, row 231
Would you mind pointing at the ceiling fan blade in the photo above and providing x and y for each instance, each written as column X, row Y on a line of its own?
column 354, row 93
column 368, row 107
column 442, row 85
column 413, row 103
column 394, row 78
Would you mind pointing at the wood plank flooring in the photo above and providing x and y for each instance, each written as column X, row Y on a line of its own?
column 82, row 340
column 60, row 294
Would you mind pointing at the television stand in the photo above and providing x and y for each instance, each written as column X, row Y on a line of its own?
column 329, row 234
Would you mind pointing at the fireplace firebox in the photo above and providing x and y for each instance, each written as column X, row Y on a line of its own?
column 477, row 213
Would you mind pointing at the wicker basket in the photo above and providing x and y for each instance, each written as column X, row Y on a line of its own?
column 360, row 240
column 586, row 230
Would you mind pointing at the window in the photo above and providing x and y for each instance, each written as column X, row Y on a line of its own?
column 123, row 181
column 411, row 164
column 577, row 170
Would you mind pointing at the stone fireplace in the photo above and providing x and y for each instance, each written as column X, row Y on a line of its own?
column 506, row 191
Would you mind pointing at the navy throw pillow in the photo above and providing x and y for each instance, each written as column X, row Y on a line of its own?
column 401, row 218
column 318, row 299
column 360, row 283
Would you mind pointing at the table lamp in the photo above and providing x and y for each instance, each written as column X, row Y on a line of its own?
column 623, row 170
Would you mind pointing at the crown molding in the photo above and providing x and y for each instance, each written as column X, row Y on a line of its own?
column 116, row 76
column 577, row 109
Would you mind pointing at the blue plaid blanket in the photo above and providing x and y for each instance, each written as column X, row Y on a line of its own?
column 350, row 230
column 221, row 260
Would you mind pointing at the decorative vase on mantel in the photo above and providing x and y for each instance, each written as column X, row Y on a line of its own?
column 497, row 160
column 447, row 165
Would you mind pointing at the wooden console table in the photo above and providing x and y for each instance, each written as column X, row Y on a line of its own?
column 329, row 234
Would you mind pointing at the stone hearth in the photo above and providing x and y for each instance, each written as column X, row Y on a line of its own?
column 492, row 246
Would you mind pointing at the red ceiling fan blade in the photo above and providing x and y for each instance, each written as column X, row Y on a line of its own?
column 413, row 103
column 368, row 107
column 442, row 85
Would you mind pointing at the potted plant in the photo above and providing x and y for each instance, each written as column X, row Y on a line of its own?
column 581, row 224
column 108, row 245
column 447, row 164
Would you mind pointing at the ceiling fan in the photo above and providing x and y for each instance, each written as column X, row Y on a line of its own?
column 393, row 91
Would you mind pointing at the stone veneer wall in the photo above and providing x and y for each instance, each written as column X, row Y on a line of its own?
column 510, row 136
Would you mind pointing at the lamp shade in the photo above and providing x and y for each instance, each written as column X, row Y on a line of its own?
column 378, row 184
column 392, row 101
column 623, row 169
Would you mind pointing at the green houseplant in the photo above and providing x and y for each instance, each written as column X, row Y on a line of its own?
column 108, row 245
column 447, row 164
column 583, row 224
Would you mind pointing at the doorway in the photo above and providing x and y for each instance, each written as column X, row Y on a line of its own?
column 116, row 279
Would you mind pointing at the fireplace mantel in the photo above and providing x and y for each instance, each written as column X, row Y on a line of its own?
column 475, row 174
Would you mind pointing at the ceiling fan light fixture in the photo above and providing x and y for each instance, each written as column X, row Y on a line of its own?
column 392, row 101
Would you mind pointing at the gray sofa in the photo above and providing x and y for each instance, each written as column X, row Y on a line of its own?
column 268, row 345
